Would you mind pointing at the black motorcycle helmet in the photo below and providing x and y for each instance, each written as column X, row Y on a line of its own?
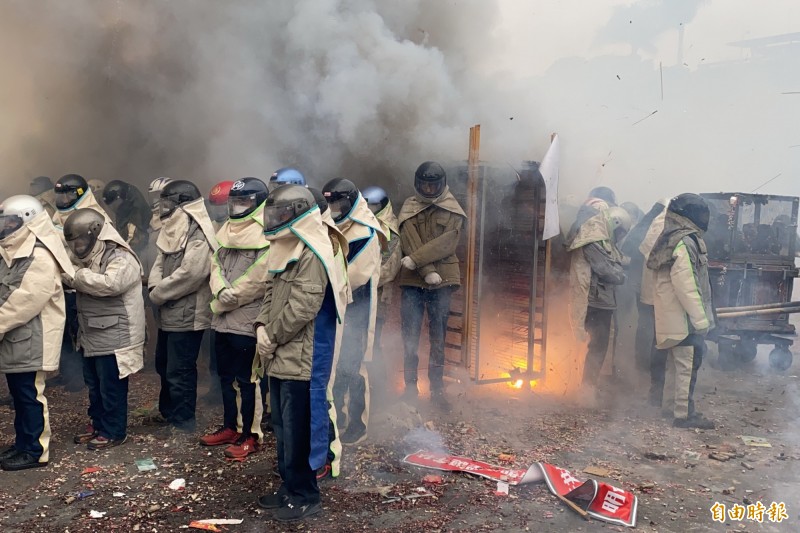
column 342, row 196
column 693, row 207
column 40, row 184
column 286, row 204
column 81, row 231
column 376, row 198
column 115, row 191
column 177, row 193
column 430, row 180
column 245, row 196
column 69, row 189
column 320, row 199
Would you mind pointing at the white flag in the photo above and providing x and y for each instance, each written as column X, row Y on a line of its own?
column 549, row 171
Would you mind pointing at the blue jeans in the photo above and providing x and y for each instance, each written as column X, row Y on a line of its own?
column 413, row 305
column 291, row 421
column 235, row 356
column 176, row 363
column 108, row 396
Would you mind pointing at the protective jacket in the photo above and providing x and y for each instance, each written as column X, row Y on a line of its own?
column 240, row 266
column 110, row 303
column 32, row 311
column 366, row 241
column 648, row 276
column 300, row 311
column 430, row 231
column 683, row 302
column 179, row 280
column 133, row 220
column 391, row 256
column 595, row 270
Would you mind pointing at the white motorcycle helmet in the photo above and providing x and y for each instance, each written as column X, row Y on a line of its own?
column 16, row 211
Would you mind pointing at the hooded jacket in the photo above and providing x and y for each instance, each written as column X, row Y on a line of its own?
column 365, row 241
column 133, row 220
column 300, row 311
column 391, row 256
column 179, row 280
column 633, row 240
column 430, row 231
column 649, row 276
column 682, row 297
column 595, row 270
column 48, row 201
column 240, row 266
column 32, row 311
column 110, row 303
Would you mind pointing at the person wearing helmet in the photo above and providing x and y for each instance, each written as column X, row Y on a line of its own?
column 154, row 194
column 112, row 323
column 296, row 333
column 131, row 213
column 430, row 229
column 286, row 176
column 333, row 464
column 31, row 322
column 379, row 203
column 238, row 277
column 684, row 311
column 179, row 286
column 595, row 270
column 72, row 192
column 218, row 203
column 41, row 188
column 365, row 239
column 599, row 199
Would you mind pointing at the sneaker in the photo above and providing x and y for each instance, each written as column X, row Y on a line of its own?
column 324, row 473
column 221, row 436
column 88, row 434
column 102, row 443
column 243, row 447
column 273, row 501
column 292, row 513
column 353, row 435
column 21, row 461
column 8, row 453
column 694, row 421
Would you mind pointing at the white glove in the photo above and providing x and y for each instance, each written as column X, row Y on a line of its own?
column 226, row 297
column 264, row 346
column 433, row 278
column 408, row 263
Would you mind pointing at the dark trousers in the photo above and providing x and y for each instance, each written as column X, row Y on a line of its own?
column 108, row 396
column 349, row 376
column 414, row 303
column 71, row 360
column 236, row 354
column 176, row 363
column 31, row 415
column 598, row 326
column 291, row 422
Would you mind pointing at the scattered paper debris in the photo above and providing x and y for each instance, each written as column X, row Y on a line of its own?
column 502, row 488
column 506, row 458
column 96, row 514
column 178, row 484
column 433, row 479
column 221, row 521
column 206, row 527
column 145, row 464
column 119, row 495
column 90, row 470
column 597, row 471
column 84, row 494
column 758, row 442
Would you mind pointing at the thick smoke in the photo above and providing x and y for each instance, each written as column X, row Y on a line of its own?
column 209, row 90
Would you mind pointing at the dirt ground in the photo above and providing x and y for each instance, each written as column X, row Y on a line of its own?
column 668, row 469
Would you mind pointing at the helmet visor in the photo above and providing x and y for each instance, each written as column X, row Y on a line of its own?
column 217, row 213
column 82, row 244
column 9, row 224
column 277, row 216
column 168, row 204
column 340, row 208
column 66, row 199
column 429, row 189
column 241, row 206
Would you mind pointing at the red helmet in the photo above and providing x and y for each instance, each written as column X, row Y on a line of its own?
column 219, row 193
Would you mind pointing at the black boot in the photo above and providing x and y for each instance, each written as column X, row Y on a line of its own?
column 21, row 461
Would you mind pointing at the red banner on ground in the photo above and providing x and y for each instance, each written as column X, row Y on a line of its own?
column 600, row 500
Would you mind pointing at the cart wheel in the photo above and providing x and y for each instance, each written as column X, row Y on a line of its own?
column 746, row 349
column 780, row 358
